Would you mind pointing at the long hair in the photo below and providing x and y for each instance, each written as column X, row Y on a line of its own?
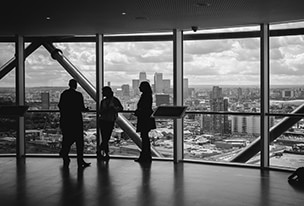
column 145, row 87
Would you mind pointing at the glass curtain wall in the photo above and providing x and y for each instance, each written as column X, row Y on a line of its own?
column 221, row 75
column 8, row 125
column 221, row 89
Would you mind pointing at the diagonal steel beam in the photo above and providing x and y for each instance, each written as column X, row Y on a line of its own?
column 11, row 64
column 91, row 90
column 275, row 132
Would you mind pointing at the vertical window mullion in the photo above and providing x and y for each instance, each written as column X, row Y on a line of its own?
column 264, row 96
column 178, row 93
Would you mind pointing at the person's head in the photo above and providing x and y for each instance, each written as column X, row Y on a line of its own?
column 73, row 84
column 145, row 87
column 107, row 92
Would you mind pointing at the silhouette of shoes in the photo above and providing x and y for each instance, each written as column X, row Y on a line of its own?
column 66, row 162
column 84, row 164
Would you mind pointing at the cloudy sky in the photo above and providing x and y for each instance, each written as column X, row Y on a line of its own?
column 211, row 62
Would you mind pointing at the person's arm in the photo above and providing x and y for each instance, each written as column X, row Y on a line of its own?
column 118, row 105
column 83, row 108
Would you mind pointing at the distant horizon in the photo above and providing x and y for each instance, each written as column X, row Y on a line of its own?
column 190, row 86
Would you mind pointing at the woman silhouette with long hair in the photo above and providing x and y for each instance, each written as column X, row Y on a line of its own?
column 145, row 123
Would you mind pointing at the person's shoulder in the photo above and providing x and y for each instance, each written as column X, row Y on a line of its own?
column 65, row 92
column 78, row 93
column 116, row 99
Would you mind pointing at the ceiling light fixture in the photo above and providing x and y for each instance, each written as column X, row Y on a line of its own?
column 202, row 4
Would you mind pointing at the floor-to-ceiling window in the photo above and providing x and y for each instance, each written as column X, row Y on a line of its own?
column 221, row 75
column 287, row 95
column 8, row 125
column 129, row 62
column 45, row 79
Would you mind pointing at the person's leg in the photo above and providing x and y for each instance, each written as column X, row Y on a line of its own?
column 66, row 144
column 79, row 148
column 145, row 155
column 99, row 146
column 106, row 135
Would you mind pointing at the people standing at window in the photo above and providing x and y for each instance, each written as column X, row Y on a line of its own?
column 145, row 123
column 71, row 106
column 108, row 113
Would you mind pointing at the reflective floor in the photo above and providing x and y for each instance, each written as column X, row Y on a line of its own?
column 43, row 181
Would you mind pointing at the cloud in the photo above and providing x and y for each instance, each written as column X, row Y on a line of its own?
column 207, row 46
column 7, row 52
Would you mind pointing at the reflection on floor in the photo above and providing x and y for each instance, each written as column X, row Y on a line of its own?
column 43, row 181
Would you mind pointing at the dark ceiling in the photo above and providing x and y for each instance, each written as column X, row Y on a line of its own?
column 88, row 17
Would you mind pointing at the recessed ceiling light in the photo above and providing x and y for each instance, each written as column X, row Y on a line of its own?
column 202, row 4
column 48, row 18
column 123, row 13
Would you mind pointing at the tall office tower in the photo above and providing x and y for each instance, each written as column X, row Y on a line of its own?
column 166, row 85
column 135, row 85
column 220, row 123
column 158, row 83
column 216, row 92
column 239, row 93
column 186, row 88
column 125, row 88
column 45, row 100
column 162, row 99
column 142, row 76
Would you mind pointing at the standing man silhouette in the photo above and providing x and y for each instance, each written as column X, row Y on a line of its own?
column 71, row 106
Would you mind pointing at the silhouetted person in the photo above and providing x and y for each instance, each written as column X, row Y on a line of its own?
column 297, row 177
column 145, row 123
column 71, row 106
column 108, row 113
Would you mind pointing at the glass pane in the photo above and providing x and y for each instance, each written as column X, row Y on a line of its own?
column 286, row 96
column 8, row 125
column 287, row 145
column 287, row 25
column 43, row 134
column 81, row 55
column 222, row 70
column 129, row 63
column 220, row 138
column 286, row 73
column 45, row 80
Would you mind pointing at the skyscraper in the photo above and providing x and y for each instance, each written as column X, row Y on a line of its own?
column 219, row 123
column 135, row 85
column 125, row 90
column 45, row 100
column 158, row 83
column 186, row 88
column 142, row 76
